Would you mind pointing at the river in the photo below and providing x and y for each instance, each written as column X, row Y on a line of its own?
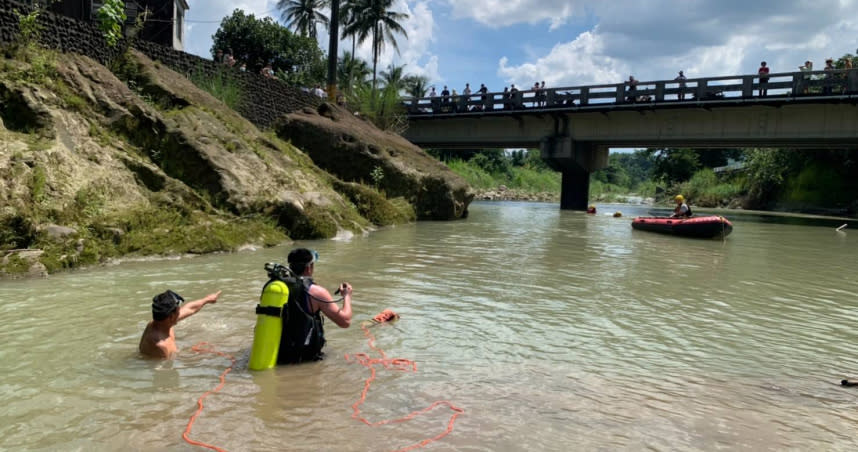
column 553, row 330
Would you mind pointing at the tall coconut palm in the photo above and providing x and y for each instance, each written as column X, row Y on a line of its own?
column 303, row 15
column 376, row 21
column 349, row 10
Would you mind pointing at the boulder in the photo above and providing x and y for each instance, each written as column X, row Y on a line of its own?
column 57, row 232
column 354, row 150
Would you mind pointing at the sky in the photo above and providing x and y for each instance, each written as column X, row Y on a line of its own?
column 576, row 42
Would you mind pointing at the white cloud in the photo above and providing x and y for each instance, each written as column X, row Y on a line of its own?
column 592, row 42
column 580, row 62
column 501, row 13
column 420, row 28
column 655, row 39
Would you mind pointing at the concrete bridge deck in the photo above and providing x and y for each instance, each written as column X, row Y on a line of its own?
column 575, row 126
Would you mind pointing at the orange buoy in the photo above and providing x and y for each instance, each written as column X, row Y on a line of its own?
column 385, row 316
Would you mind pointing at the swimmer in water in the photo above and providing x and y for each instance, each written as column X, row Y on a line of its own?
column 159, row 337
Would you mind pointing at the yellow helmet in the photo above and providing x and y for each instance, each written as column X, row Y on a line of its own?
column 679, row 198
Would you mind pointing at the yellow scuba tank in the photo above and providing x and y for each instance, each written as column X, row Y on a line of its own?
column 269, row 324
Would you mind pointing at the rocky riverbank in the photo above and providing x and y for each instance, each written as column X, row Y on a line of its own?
column 97, row 165
column 502, row 193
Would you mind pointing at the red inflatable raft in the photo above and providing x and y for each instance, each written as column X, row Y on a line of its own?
column 700, row 227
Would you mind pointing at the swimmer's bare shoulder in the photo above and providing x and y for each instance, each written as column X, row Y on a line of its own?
column 157, row 346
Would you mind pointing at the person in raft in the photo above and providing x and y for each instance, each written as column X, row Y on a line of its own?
column 682, row 210
column 159, row 338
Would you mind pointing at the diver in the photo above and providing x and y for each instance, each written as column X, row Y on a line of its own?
column 682, row 210
column 311, row 299
column 159, row 337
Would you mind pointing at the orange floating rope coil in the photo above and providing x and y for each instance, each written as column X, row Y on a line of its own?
column 385, row 316
column 399, row 364
column 205, row 347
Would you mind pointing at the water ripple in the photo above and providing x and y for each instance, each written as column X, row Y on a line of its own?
column 554, row 330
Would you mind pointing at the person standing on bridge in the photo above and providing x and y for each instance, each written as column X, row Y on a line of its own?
column 445, row 96
column 763, row 72
column 484, row 95
column 680, row 95
column 827, row 89
column 805, row 77
column 537, row 93
column 632, row 88
column 513, row 97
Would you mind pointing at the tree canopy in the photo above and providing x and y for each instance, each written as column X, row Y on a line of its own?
column 304, row 15
column 257, row 42
column 375, row 20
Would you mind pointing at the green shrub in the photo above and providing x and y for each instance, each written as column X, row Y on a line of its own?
column 476, row 176
column 223, row 85
column 707, row 189
column 111, row 16
column 816, row 184
column 383, row 107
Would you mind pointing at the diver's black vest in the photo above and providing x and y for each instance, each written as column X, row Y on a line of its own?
column 688, row 214
column 303, row 334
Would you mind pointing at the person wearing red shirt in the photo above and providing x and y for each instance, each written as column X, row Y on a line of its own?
column 764, row 79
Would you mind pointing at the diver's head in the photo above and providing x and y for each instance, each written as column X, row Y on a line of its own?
column 166, row 306
column 302, row 260
column 679, row 199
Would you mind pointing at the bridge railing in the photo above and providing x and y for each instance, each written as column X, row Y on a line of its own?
column 834, row 83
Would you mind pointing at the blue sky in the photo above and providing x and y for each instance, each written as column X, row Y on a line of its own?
column 579, row 42
column 574, row 42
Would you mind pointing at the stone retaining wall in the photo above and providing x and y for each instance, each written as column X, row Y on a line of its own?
column 264, row 100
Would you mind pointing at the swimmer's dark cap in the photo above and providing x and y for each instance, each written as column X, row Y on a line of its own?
column 165, row 303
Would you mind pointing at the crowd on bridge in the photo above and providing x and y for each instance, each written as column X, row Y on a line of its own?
column 830, row 82
column 511, row 98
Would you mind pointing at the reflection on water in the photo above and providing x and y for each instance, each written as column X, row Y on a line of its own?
column 549, row 328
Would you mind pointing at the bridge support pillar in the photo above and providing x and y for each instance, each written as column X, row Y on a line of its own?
column 575, row 160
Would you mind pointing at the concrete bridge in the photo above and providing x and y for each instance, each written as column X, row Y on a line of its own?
column 574, row 127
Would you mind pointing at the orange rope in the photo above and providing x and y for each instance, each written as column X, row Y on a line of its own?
column 205, row 347
column 399, row 364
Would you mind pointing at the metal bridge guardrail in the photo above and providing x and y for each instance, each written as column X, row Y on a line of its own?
column 837, row 83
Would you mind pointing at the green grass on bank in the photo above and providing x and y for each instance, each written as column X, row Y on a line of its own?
column 705, row 188
column 521, row 178
column 222, row 85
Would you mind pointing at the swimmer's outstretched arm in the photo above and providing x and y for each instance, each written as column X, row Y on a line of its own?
column 193, row 307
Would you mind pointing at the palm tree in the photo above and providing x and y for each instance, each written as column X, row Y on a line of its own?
column 351, row 72
column 303, row 15
column 349, row 10
column 416, row 85
column 394, row 77
column 375, row 21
